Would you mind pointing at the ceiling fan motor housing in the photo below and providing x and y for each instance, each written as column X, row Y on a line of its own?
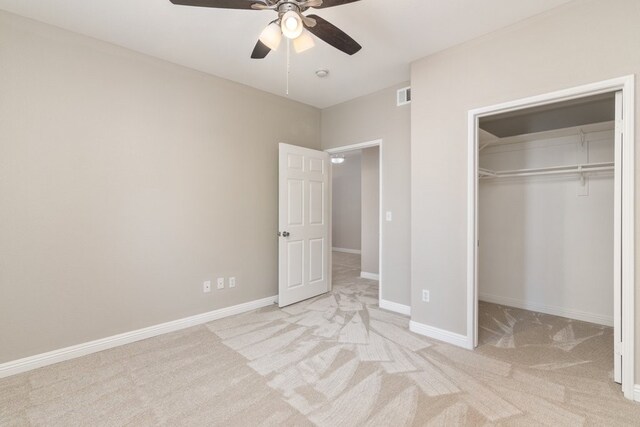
column 284, row 6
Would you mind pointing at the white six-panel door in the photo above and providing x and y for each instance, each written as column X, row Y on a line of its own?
column 304, row 214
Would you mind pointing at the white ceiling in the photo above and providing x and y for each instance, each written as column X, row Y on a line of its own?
column 393, row 33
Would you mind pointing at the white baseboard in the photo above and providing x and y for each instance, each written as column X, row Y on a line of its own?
column 548, row 309
column 347, row 251
column 370, row 276
column 395, row 307
column 636, row 392
column 33, row 362
column 441, row 335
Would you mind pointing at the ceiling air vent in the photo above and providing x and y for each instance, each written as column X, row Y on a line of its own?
column 404, row 96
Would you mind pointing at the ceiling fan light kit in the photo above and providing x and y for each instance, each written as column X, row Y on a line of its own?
column 271, row 36
column 303, row 42
column 291, row 25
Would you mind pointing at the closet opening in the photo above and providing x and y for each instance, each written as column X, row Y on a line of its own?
column 551, row 257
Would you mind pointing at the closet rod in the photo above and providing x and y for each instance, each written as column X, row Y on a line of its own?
column 553, row 170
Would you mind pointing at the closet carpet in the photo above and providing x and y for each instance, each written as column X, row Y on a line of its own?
column 336, row 360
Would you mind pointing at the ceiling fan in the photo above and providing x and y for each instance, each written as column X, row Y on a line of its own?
column 290, row 22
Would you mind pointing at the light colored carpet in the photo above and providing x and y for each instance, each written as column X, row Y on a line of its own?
column 336, row 360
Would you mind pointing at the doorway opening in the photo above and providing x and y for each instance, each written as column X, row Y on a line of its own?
column 551, row 246
column 356, row 232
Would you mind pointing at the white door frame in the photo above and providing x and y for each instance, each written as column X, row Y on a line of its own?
column 627, row 86
column 344, row 149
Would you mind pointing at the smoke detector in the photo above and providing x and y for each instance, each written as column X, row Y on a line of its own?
column 322, row 73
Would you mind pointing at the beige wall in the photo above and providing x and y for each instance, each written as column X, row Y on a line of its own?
column 367, row 118
column 125, row 182
column 583, row 42
column 346, row 207
column 370, row 166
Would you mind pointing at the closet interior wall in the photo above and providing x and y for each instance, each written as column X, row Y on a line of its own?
column 546, row 241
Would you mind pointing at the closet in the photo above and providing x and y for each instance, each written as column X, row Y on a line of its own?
column 546, row 216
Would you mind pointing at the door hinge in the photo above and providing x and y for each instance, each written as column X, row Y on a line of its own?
column 618, row 348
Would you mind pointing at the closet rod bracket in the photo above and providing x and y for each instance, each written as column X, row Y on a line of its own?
column 583, row 137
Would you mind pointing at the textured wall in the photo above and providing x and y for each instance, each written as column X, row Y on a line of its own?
column 368, row 118
column 566, row 47
column 347, row 207
column 370, row 210
column 125, row 182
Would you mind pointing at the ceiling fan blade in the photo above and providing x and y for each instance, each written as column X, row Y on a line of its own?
column 260, row 6
column 333, row 35
column 260, row 51
column 308, row 22
column 222, row 4
column 331, row 3
column 311, row 3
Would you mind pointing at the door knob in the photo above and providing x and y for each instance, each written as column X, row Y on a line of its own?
column 285, row 234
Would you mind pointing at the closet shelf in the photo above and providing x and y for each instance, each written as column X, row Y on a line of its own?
column 552, row 170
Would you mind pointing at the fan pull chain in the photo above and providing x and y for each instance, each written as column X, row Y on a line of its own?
column 288, row 63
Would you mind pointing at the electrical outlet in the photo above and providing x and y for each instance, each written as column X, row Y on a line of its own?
column 389, row 216
column 206, row 286
column 232, row 282
column 425, row 296
column 220, row 282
